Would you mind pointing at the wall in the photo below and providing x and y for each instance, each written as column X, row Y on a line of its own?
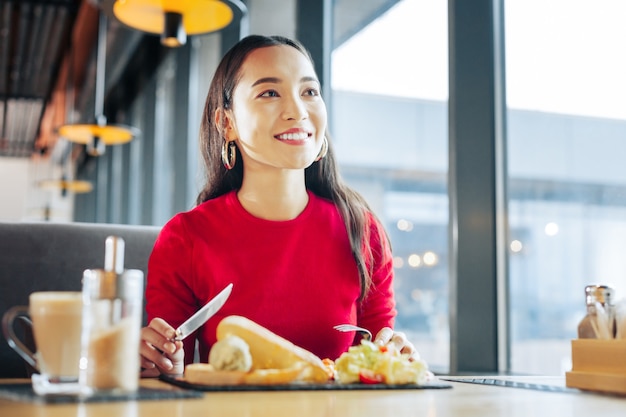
column 272, row 17
column 13, row 187
column 22, row 200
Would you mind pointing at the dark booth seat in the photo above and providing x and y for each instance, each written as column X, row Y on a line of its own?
column 52, row 256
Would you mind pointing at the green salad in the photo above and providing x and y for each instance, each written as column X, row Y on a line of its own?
column 370, row 363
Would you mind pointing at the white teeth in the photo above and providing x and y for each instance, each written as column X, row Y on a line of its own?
column 293, row 136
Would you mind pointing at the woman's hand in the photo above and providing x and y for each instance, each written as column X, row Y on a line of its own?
column 386, row 335
column 158, row 350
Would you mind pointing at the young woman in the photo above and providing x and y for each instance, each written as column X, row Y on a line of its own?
column 304, row 252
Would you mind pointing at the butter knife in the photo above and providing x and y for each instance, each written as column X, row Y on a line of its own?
column 201, row 316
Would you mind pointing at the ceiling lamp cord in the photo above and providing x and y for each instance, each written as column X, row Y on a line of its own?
column 97, row 146
column 96, row 136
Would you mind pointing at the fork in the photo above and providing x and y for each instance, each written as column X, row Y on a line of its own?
column 353, row 328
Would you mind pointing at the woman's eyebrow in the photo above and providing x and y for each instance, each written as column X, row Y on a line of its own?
column 309, row 78
column 276, row 80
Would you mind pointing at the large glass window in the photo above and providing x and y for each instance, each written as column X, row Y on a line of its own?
column 389, row 78
column 567, row 182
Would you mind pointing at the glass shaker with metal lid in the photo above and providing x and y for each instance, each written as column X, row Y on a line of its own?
column 112, row 314
column 598, row 323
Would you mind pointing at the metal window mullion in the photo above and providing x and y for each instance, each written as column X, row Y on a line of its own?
column 477, row 173
column 314, row 30
column 147, row 207
column 182, row 94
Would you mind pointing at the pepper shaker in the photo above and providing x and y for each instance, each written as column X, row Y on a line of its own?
column 590, row 326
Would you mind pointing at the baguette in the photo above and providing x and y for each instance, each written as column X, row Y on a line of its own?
column 272, row 352
column 206, row 374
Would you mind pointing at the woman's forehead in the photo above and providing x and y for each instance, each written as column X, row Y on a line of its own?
column 275, row 61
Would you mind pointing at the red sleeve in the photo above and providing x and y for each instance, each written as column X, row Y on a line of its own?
column 169, row 293
column 378, row 309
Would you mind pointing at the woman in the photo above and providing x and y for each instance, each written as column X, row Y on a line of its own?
column 303, row 251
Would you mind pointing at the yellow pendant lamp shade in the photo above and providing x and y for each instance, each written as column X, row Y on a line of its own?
column 75, row 186
column 174, row 19
column 96, row 136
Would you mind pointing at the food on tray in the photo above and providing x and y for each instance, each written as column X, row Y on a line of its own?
column 371, row 363
column 274, row 360
column 270, row 351
column 206, row 374
column 231, row 354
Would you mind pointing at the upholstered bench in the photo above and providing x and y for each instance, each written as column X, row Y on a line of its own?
column 52, row 256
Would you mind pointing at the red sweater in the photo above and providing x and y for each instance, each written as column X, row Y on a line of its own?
column 297, row 277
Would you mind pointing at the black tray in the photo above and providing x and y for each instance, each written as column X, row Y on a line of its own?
column 509, row 383
column 330, row 386
column 24, row 392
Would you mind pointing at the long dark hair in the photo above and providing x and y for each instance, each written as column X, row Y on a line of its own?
column 322, row 177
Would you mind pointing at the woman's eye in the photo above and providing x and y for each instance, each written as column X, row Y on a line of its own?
column 311, row 92
column 269, row 93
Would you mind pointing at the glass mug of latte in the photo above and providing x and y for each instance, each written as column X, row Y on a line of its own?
column 55, row 318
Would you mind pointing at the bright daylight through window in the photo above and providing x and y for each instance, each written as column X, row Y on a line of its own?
column 566, row 137
column 567, row 182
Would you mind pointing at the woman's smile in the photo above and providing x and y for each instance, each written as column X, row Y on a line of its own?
column 294, row 136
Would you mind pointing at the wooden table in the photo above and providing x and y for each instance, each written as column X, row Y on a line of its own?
column 463, row 400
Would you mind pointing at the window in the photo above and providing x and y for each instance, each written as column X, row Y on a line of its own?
column 389, row 78
column 567, row 185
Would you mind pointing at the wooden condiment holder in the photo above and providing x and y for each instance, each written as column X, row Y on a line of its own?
column 598, row 365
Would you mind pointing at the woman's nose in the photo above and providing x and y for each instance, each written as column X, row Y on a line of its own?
column 295, row 109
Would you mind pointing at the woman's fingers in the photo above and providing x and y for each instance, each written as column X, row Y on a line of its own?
column 409, row 349
column 383, row 336
column 162, row 328
column 399, row 340
column 160, row 335
column 152, row 357
column 159, row 352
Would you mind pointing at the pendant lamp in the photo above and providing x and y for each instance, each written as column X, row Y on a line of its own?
column 96, row 136
column 175, row 19
column 66, row 185
column 46, row 213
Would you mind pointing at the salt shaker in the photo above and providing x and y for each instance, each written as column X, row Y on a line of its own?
column 112, row 314
column 597, row 324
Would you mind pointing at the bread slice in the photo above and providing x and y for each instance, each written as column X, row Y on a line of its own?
column 206, row 374
column 270, row 351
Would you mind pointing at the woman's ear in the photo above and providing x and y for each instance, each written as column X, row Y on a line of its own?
column 225, row 124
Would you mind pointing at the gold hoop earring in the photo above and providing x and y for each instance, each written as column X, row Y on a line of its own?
column 323, row 151
column 229, row 154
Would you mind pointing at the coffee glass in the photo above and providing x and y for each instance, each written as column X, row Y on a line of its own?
column 55, row 318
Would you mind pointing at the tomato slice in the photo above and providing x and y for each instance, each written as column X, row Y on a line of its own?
column 370, row 377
